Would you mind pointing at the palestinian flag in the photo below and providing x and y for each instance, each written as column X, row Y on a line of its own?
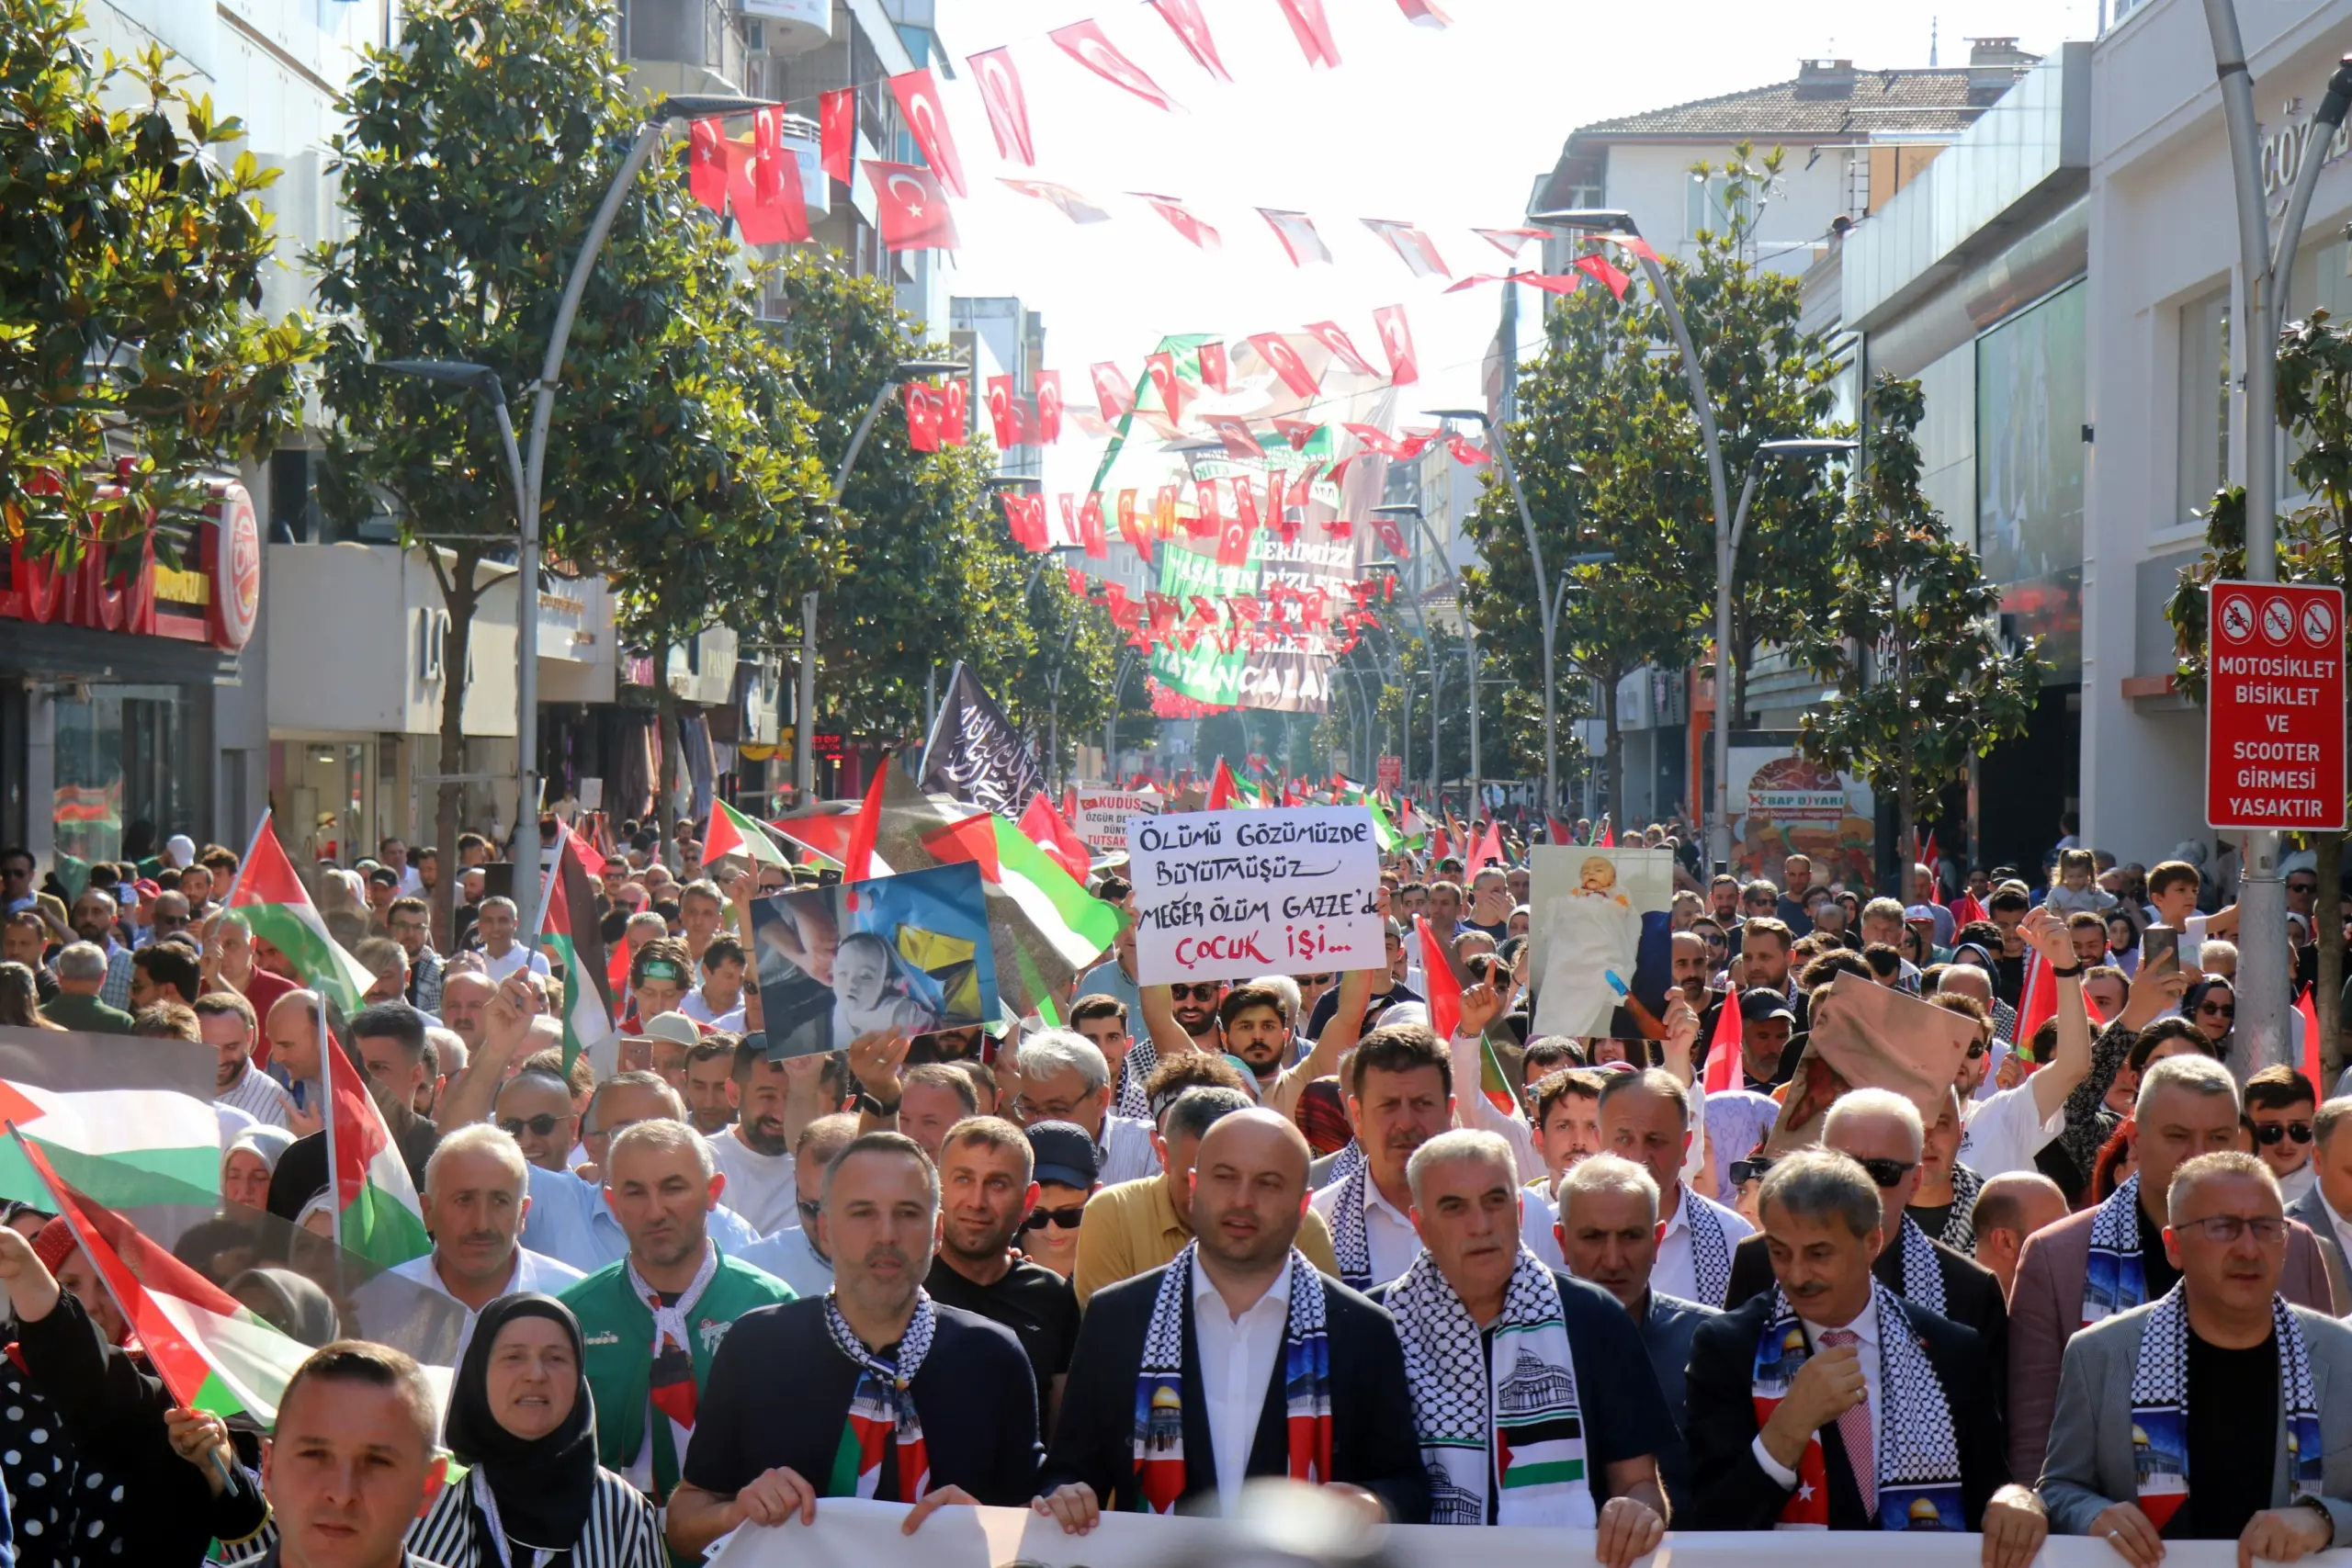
column 1075, row 924
column 122, row 1146
column 270, row 903
column 377, row 1214
column 570, row 937
column 212, row 1352
column 1224, row 791
column 732, row 833
column 1052, row 833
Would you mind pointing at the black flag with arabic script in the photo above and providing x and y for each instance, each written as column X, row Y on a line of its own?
column 975, row 754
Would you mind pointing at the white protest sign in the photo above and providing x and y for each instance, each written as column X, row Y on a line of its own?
column 1222, row 894
column 1102, row 814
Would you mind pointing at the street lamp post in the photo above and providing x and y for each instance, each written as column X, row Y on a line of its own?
column 1429, row 651
column 2263, row 970
column 804, row 742
column 1469, row 632
column 1111, row 723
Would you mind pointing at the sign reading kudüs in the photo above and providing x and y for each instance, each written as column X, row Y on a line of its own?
column 2274, row 708
column 1227, row 895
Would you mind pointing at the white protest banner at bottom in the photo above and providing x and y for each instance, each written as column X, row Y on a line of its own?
column 850, row 1533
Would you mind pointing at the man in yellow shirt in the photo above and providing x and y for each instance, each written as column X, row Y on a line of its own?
column 1137, row 1227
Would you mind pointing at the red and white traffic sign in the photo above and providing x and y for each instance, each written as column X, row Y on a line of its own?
column 2274, row 708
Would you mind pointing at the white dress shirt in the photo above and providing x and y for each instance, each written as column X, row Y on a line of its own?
column 792, row 1257
column 498, row 968
column 693, row 1005
column 1865, row 1330
column 531, row 1271
column 1673, row 1272
column 1388, row 1233
column 1125, row 1150
column 1238, row 1357
column 2295, row 1184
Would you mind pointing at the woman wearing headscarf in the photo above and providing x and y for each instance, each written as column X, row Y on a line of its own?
column 290, row 1303
column 249, row 1162
column 521, row 1416
column 91, row 1440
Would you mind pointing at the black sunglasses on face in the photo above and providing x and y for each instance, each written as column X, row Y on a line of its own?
column 1060, row 1219
column 1744, row 1171
column 2215, row 1009
column 1193, row 993
column 539, row 1126
column 2274, row 1131
column 1888, row 1172
column 810, row 1209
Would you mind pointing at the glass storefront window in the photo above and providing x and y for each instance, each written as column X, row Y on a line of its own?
column 120, row 789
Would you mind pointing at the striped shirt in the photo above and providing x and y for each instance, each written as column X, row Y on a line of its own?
column 621, row 1531
column 259, row 1096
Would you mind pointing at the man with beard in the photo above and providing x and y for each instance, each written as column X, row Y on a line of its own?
column 872, row 1390
column 986, row 1187
column 755, row 1154
column 1400, row 1095
column 1688, row 964
column 230, row 1027
column 797, row 1253
column 465, row 1003
column 652, row 1322
column 95, row 917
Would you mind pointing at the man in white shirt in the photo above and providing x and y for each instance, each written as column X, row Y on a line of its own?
column 1645, row 1116
column 477, row 1191
column 755, row 1154
column 230, row 1028
column 717, row 1002
column 502, row 954
column 794, row 1255
column 1064, row 1077
column 2005, row 1129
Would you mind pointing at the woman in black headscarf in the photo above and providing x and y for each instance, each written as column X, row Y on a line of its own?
column 521, row 1416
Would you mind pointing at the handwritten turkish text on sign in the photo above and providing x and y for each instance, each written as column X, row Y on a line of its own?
column 1223, row 895
column 2274, row 708
column 1102, row 814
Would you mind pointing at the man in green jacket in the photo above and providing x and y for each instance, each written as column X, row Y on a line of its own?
column 81, row 976
column 650, row 1324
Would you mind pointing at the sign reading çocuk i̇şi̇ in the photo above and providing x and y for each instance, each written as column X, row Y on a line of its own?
column 1225, row 894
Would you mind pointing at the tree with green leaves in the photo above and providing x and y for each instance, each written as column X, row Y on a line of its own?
column 134, row 354
column 681, row 458
column 1911, row 638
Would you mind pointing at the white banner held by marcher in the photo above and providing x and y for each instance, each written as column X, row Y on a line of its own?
column 1223, row 895
column 1102, row 814
column 850, row 1533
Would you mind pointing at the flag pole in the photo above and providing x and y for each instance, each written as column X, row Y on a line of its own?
column 555, row 874
column 327, row 1048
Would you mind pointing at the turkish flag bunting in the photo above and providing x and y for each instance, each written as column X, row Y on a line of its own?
column 1339, row 474
column 912, row 207
column 1397, row 342
column 1244, row 504
column 1162, row 368
column 1510, row 242
column 1070, row 520
column 1391, row 539
column 1276, row 351
column 837, row 131
column 1084, row 42
column 1112, row 393
column 1181, row 220
column 1001, row 419
column 1215, row 373
column 1024, row 517
column 1234, row 431
column 1206, row 518
column 1633, row 243
column 1233, row 540
column 1008, row 106
column 765, row 187
column 1298, row 431
column 1076, row 580
column 1049, row 406
column 1302, row 486
column 1424, row 14
column 926, row 120
column 1024, row 424
column 1599, row 270
column 1163, row 510
column 707, row 164
column 1328, row 334
column 1401, row 449
column 922, row 418
column 955, row 412
column 1090, row 528
column 1130, row 529
column 1193, row 31
column 1313, row 30
column 1247, row 607
column 1465, row 451
column 1203, row 610
column 1550, row 282
column 1296, row 233
column 1414, row 248
column 1075, row 208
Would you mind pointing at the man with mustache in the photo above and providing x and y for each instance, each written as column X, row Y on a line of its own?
column 872, row 1389
column 651, row 1324
column 755, row 1154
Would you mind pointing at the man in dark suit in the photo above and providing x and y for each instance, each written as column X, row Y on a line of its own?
column 1832, row 1402
column 1240, row 1292
column 1885, row 1134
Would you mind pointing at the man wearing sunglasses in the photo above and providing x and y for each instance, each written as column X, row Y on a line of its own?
column 1069, row 1171
column 2280, row 1103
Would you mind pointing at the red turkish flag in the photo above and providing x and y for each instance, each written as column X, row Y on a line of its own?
column 926, row 120
column 1074, row 207
column 1114, row 393
column 1424, row 14
column 706, row 164
column 1128, row 528
column 1298, row 431
column 1163, row 510
column 1328, row 334
column 1215, row 374
column 1074, row 580
column 1633, row 243
column 1070, row 520
column 1510, row 242
column 1233, row 540
column 1601, row 270
column 1084, row 42
column 1008, row 106
column 1313, row 30
column 1390, row 539
column 1234, row 431
column 1302, row 486
column 1049, row 406
column 912, row 207
column 1181, row 220
column 1162, row 368
column 1089, row 527
column 1339, row 474
column 954, row 413
column 1396, row 449
column 1193, row 31
column 1207, row 518
column 1296, row 231
column 769, row 207
column 1245, row 502
column 1024, row 424
column 1016, row 519
column 837, row 126
column 1283, row 360
column 1414, row 248
column 922, row 418
column 1467, row 452
column 1397, row 342
column 1000, row 416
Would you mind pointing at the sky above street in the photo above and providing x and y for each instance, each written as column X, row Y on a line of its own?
column 1447, row 129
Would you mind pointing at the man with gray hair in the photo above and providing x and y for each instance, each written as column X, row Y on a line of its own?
column 1608, row 1233
column 1065, row 1078
column 652, row 1323
column 1829, row 1401
column 1882, row 922
column 81, row 977
column 1532, row 1399
column 2090, row 1266
column 496, row 923
column 1885, row 1134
